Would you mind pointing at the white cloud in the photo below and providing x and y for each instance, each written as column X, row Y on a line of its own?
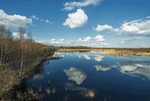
column 41, row 20
column 101, row 28
column 57, row 41
column 98, row 44
column 71, row 5
column 34, row 17
column 47, row 21
column 99, row 38
column 16, row 35
column 136, row 27
column 95, row 41
column 13, row 21
column 77, row 19
column 87, row 39
column 75, row 74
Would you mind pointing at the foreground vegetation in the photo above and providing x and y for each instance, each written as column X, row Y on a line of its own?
column 111, row 51
column 18, row 59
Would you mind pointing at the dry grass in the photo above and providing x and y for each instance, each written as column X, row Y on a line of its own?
column 50, row 91
column 90, row 94
column 30, row 95
column 74, row 50
column 113, row 51
column 125, row 52
column 8, row 79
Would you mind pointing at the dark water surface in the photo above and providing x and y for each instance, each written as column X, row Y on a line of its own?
column 91, row 76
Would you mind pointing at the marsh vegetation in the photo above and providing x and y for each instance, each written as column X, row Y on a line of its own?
column 111, row 51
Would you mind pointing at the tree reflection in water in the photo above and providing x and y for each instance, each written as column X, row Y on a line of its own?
column 14, row 88
column 86, row 92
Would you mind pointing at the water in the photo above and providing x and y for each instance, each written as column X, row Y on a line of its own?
column 91, row 76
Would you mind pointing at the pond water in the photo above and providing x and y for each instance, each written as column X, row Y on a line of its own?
column 91, row 76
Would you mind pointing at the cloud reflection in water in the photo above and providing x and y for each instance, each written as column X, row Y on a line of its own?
column 75, row 74
column 130, row 68
column 100, row 67
column 93, row 55
column 86, row 92
column 135, row 68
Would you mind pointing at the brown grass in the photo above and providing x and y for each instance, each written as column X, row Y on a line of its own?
column 74, row 50
column 8, row 79
column 112, row 51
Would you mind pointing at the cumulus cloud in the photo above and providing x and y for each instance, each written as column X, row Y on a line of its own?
column 75, row 74
column 95, row 41
column 135, row 27
column 77, row 19
column 47, row 21
column 86, row 39
column 13, row 21
column 101, row 28
column 98, row 44
column 71, row 5
column 53, row 41
column 57, row 41
column 99, row 38
column 16, row 35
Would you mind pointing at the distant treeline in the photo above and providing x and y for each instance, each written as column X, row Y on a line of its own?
column 18, row 58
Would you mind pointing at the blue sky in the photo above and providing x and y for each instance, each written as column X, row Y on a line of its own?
column 96, row 23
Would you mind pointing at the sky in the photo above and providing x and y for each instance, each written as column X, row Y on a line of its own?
column 94, row 23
